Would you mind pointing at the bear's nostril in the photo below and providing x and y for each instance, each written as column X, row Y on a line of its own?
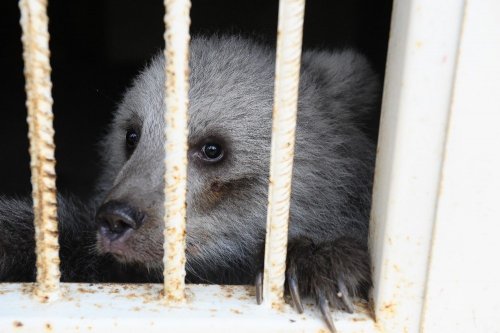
column 117, row 225
column 115, row 218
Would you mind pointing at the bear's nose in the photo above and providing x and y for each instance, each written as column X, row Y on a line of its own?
column 116, row 217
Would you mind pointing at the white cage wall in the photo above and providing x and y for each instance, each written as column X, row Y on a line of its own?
column 435, row 212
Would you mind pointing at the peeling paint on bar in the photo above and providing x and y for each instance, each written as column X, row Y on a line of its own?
column 34, row 22
column 288, row 53
column 177, row 22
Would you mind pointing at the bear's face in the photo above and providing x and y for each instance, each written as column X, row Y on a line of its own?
column 231, row 93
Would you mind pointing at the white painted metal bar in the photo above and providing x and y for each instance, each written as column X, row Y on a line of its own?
column 417, row 96
column 177, row 38
column 138, row 308
column 463, row 292
column 288, row 54
column 34, row 22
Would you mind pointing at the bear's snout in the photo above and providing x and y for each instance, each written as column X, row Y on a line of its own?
column 117, row 220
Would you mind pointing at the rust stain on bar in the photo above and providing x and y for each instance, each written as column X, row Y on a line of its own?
column 288, row 54
column 177, row 38
column 34, row 23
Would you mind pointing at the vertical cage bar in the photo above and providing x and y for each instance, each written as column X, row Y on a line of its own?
column 177, row 22
column 288, row 53
column 35, row 38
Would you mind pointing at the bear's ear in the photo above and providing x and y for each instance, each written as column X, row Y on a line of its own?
column 347, row 77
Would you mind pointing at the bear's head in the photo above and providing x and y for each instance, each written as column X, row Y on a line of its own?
column 230, row 111
column 231, row 93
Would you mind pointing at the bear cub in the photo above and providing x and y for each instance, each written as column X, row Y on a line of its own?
column 118, row 235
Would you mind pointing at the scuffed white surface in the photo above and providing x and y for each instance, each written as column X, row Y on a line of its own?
column 463, row 292
column 140, row 308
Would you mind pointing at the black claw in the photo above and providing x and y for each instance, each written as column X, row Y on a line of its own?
column 258, row 287
column 294, row 292
column 325, row 312
column 343, row 294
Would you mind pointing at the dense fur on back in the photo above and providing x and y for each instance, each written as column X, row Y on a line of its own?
column 231, row 97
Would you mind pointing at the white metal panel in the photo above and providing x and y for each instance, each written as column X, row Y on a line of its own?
column 463, row 292
column 418, row 85
column 140, row 308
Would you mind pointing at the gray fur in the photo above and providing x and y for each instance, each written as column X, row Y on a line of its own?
column 231, row 96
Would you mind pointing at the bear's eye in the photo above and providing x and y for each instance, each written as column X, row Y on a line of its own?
column 131, row 139
column 212, row 152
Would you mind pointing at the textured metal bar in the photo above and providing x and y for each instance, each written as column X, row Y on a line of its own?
column 176, row 99
column 34, row 22
column 291, row 17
